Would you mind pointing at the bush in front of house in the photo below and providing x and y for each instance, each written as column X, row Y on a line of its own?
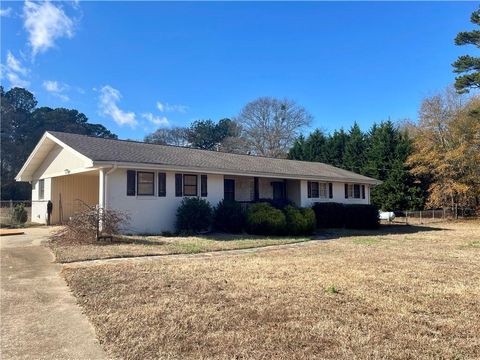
column 81, row 228
column 329, row 215
column 299, row 221
column 194, row 215
column 19, row 215
column 229, row 217
column 264, row 219
column 277, row 203
column 360, row 216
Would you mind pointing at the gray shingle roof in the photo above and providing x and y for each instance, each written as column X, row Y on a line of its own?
column 122, row 151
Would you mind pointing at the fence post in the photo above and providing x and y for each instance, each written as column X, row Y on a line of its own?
column 433, row 215
column 421, row 217
column 406, row 217
column 444, row 214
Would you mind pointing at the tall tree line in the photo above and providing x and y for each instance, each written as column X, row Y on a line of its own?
column 21, row 127
column 380, row 153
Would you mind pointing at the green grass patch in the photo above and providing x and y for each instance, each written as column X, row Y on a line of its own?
column 366, row 241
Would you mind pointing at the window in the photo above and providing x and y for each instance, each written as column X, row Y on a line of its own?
column 178, row 185
column 145, row 183
column 322, row 190
column 330, row 190
column 312, row 189
column 131, row 183
column 229, row 189
column 189, row 185
column 203, row 185
column 162, row 184
column 352, row 191
column 41, row 189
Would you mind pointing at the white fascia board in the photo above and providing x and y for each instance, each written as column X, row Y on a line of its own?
column 47, row 135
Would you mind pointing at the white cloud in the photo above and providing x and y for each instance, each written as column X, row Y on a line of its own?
column 6, row 12
column 56, row 89
column 109, row 97
column 15, row 64
column 16, row 81
column 156, row 120
column 14, row 71
column 166, row 107
column 51, row 86
column 45, row 23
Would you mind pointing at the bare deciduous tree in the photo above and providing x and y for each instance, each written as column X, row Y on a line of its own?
column 174, row 136
column 270, row 126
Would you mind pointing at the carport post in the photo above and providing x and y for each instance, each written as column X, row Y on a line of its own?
column 101, row 196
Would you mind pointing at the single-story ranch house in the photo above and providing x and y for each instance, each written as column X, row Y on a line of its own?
column 148, row 181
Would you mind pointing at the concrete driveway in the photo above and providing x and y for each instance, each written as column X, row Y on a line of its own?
column 39, row 316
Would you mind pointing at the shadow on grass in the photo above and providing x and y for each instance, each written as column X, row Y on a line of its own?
column 393, row 229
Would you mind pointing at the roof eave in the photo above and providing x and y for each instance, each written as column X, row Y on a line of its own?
column 138, row 165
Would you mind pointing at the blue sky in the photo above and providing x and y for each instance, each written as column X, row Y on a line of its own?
column 137, row 66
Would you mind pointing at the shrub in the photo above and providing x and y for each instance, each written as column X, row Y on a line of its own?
column 277, row 203
column 329, row 215
column 19, row 214
column 229, row 217
column 81, row 228
column 299, row 221
column 264, row 219
column 361, row 217
column 194, row 215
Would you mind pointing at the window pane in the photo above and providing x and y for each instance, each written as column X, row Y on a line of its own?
column 145, row 183
column 41, row 189
column 190, row 185
column 356, row 191
column 322, row 190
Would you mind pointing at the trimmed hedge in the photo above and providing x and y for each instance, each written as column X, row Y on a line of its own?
column 229, row 217
column 264, row 219
column 350, row 216
column 361, row 217
column 329, row 215
column 299, row 221
column 194, row 215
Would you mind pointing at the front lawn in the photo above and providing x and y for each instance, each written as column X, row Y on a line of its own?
column 129, row 246
column 413, row 295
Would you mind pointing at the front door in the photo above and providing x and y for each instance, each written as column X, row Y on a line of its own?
column 278, row 190
column 229, row 189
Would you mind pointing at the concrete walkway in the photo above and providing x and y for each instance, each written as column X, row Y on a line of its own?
column 39, row 316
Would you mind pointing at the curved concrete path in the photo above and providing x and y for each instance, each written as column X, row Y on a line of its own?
column 40, row 318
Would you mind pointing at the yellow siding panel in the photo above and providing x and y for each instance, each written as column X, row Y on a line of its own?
column 70, row 192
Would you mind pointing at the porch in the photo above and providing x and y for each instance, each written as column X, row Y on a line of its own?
column 245, row 190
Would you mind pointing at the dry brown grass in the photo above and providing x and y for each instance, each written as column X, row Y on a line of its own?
column 404, row 296
column 157, row 245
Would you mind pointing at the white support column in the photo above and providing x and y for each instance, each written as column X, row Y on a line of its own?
column 101, row 188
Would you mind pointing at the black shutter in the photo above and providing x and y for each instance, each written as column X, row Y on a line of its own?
column 256, row 192
column 178, row 185
column 346, row 191
column 309, row 189
column 162, row 184
column 363, row 191
column 330, row 190
column 203, row 185
column 131, row 182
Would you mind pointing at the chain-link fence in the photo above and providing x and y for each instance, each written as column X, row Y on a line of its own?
column 433, row 215
column 7, row 211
